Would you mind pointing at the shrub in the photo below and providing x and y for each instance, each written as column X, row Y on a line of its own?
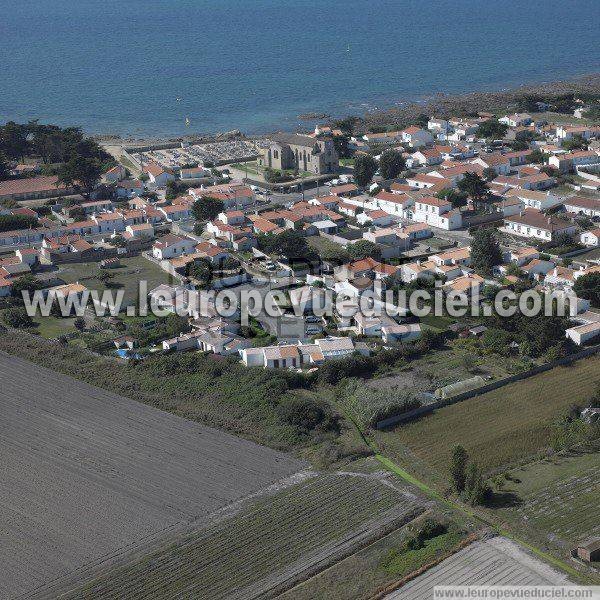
column 307, row 414
column 16, row 317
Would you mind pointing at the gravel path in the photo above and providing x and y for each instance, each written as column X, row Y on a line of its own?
column 85, row 473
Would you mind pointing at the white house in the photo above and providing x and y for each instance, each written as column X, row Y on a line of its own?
column 566, row 162
column 590, row 238
column 516, row 120
column 496, row 161
column 114, row 174
column 416, row 137
column 109, row 222
column 437, row 213
column 295, row 355
column 170, row 246
column 568, row 132
column 194, row 173
column 400, row 333
column 583, row 333
column 531, row 223
column 437, row 125
column 379, row 217
column 582, row 205
column 417, row 231
column 394, row 204
column 140, row 231
column 534, row 199
column 427, row 157
column 129, row 187
column 176, row 212
column 386, row 137
column 157, row 175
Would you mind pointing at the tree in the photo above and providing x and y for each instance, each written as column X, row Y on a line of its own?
column 28, row 283
column 489, row 173
column 81, row 173
column 364, row 249
column 77, row 214
column 347, row 124
column 11, row 222
column 174, row 188
column 588, row 287
column 3, row 166
column 207, row 208
column 364, row 169
column 485, row 252
column 200, row 270
column 474, row 186
column 340, row 143
column 476, row 489
column 492, row 129
column 536, row 156
column 307, row 414
column 497, row 341
column 104, row 276
column 289, row 243
column 16, row 317
column 577, row 142
column 458, row 467
column 79, row 323
column 333, row 253
column 391, row 164
column 13, row 140
column 456, row 197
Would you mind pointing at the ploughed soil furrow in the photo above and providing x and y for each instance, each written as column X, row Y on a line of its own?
column 88, row 475
column 266, row 547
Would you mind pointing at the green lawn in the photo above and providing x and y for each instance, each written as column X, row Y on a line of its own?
column 126, row 277
column 250, row 167
column 439, row 323
column 53, row 327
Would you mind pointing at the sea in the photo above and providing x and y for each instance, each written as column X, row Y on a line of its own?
column 171, row 67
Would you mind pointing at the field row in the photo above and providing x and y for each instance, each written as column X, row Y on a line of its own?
column 501, row 427
column 568, row 509
column 260, row 547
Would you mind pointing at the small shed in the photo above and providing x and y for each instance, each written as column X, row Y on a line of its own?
column 590, row 550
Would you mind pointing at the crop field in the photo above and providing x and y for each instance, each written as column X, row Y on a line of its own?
column 567, row 508
column 87, row 473
column 378, row 564
column 557, row 497
column 492, row 562
column 498, row 429
column 266, row 547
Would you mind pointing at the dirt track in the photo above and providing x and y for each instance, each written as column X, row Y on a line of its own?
column 84, row 473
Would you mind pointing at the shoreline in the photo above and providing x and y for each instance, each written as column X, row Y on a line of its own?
column 399, row 113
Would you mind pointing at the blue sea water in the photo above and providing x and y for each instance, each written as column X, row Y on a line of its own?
column 141, row 67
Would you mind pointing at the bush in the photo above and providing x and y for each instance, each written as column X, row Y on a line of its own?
column 16, row 317
column 307, row 414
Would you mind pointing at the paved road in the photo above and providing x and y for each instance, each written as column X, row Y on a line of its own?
column 85, row 472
